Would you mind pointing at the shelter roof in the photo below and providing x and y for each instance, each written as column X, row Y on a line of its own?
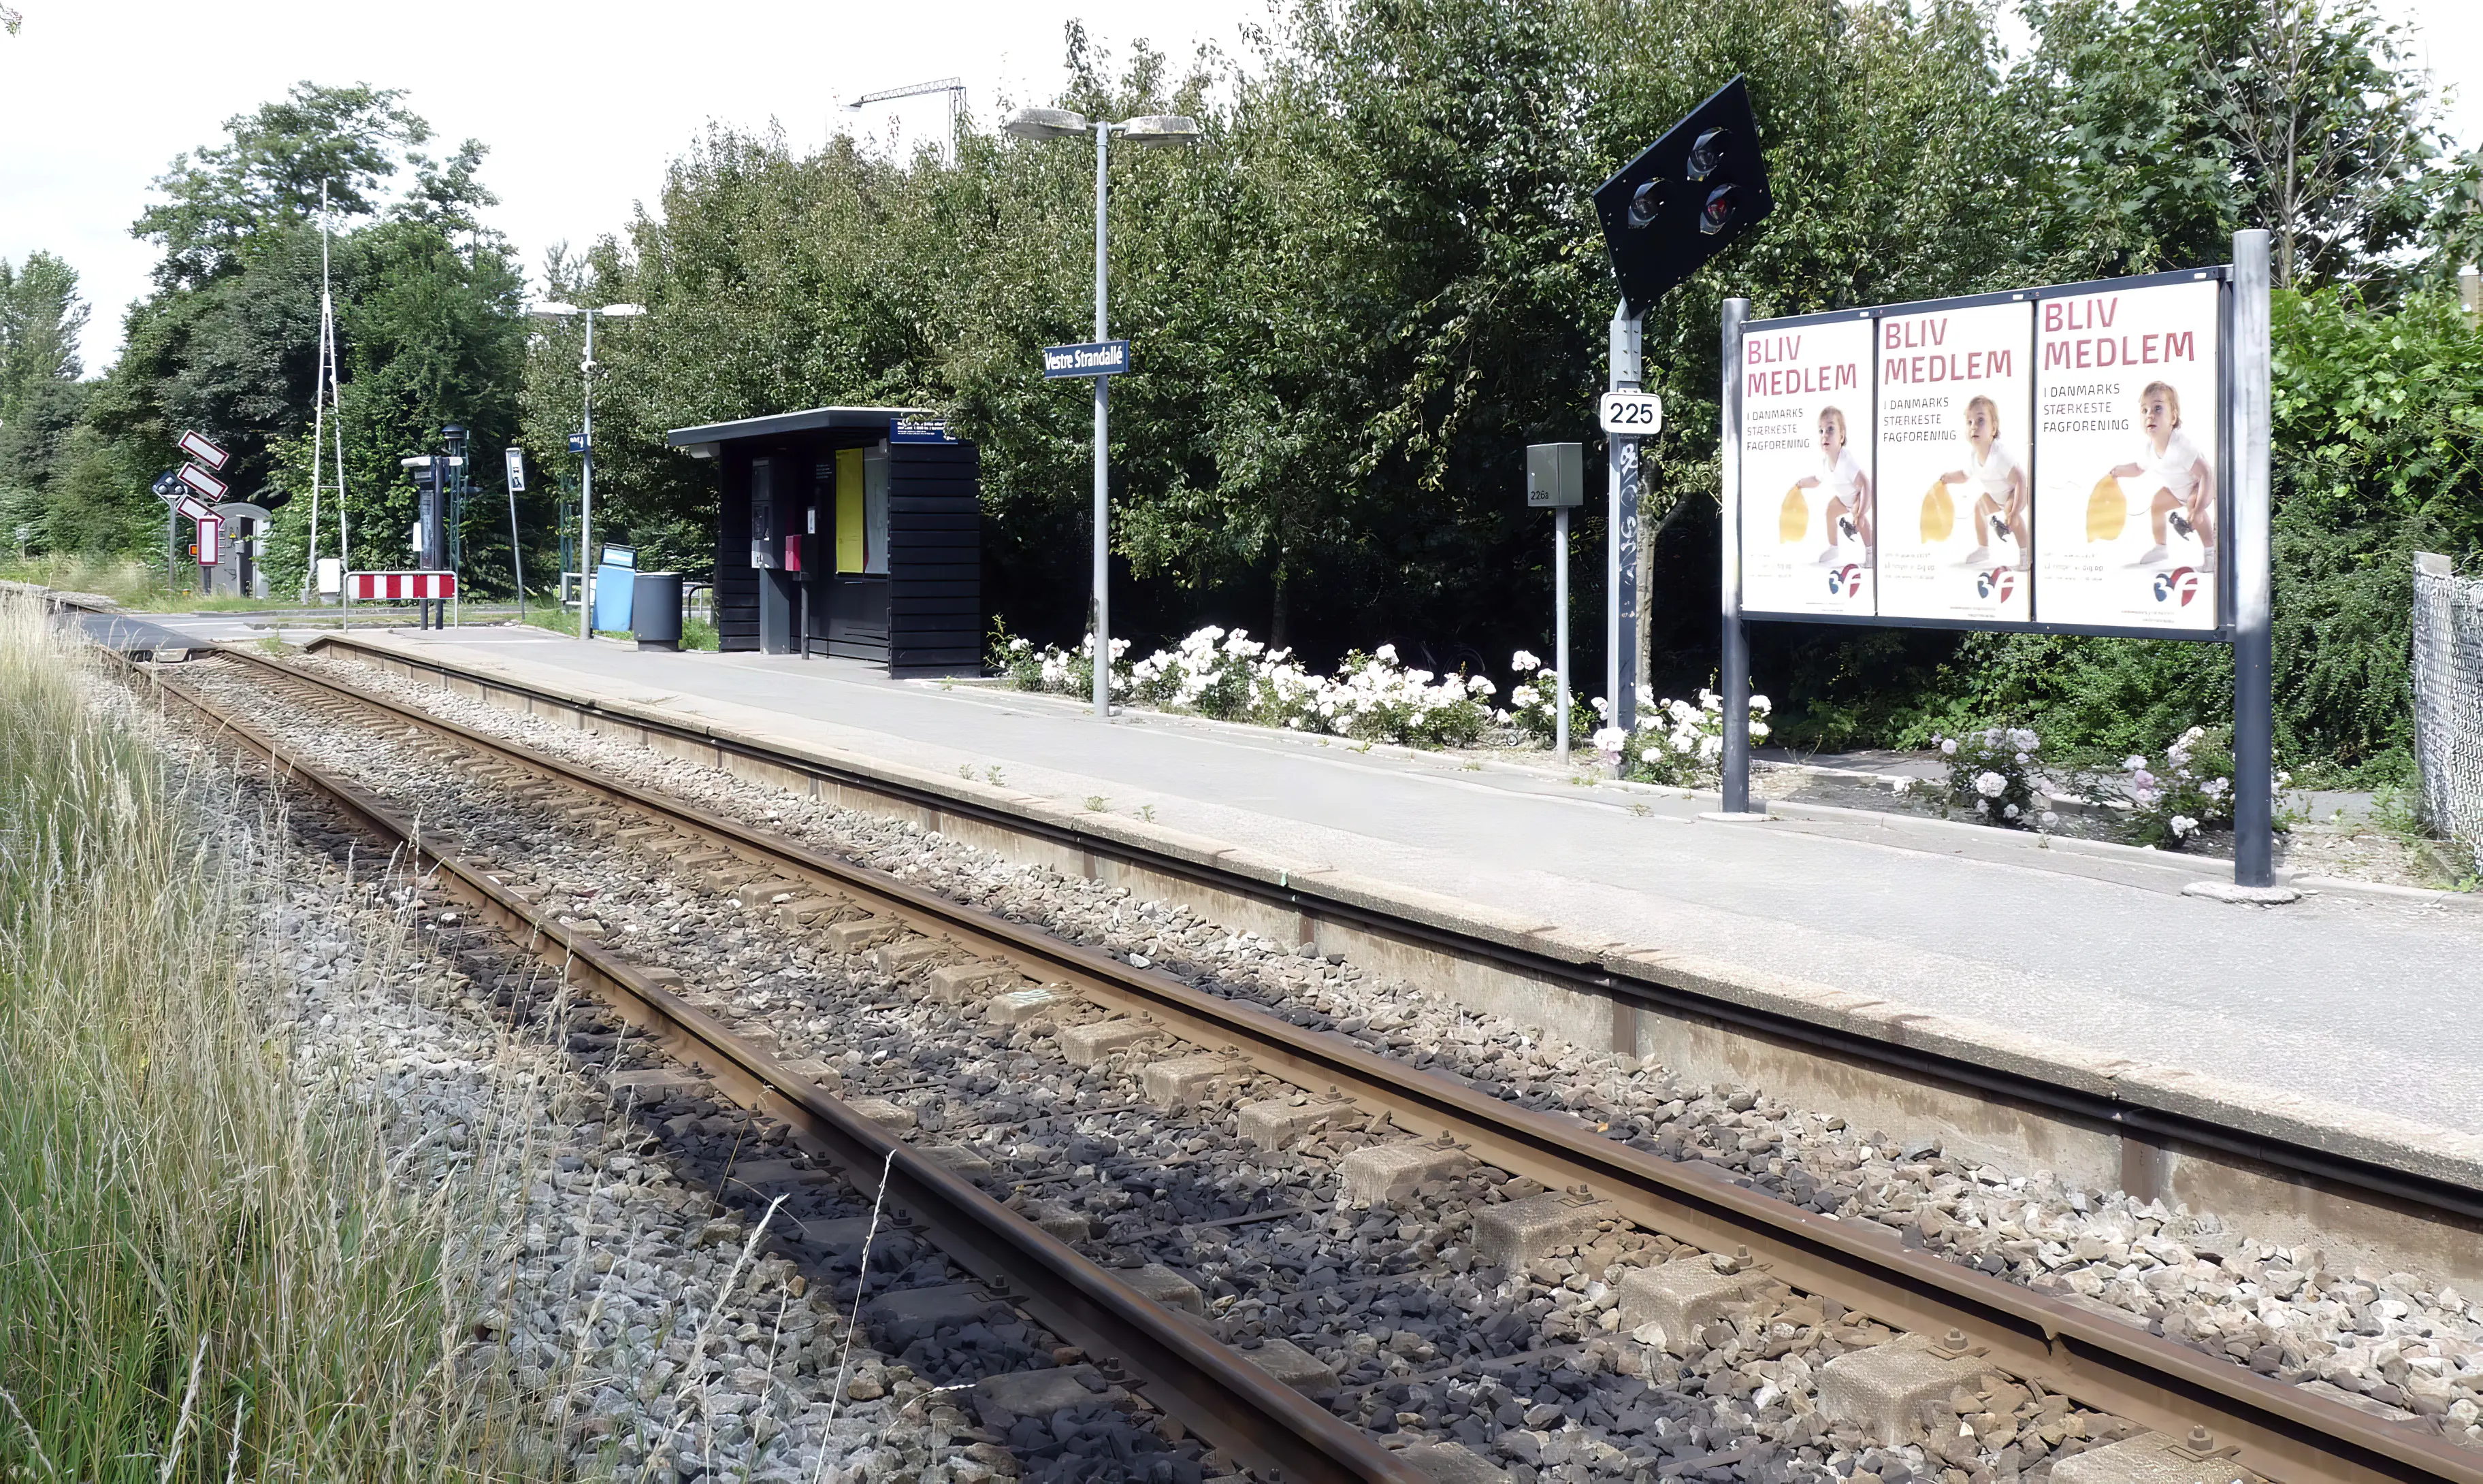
column 814, row 420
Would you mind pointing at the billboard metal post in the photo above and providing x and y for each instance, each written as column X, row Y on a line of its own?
column 1734, row 677
column 2249, row 548
column 1621, row 542
column 1103, row 579
column 1560, row 627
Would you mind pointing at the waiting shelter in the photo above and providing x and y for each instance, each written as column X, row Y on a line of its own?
column 850, row 531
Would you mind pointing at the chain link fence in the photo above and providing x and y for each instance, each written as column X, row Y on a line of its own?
column 2448, row 700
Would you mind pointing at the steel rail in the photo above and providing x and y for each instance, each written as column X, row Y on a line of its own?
column 1651, row 989
column 1246, row 1414
column 2276, row 1429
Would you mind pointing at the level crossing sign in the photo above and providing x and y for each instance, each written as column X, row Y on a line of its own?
column 198, row 447
column 205, row 483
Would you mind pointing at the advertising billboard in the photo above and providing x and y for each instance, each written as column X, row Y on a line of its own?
column 2044, row 459
column 2129, row 383
column 1808, row 516
column 1956, row 424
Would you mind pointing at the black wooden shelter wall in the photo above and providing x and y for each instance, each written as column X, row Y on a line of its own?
column 935, row 558
column 736, row 582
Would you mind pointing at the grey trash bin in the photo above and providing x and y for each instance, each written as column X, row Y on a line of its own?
column 656, row 610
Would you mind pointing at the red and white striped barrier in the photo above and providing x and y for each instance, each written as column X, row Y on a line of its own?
column 399, row 587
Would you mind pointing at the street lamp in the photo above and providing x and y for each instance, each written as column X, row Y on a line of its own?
column 549, row 310
column 1159, row 130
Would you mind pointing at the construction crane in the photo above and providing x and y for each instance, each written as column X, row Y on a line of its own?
column 954, row 87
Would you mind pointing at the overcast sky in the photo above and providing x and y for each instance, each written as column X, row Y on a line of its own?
column 580, row 104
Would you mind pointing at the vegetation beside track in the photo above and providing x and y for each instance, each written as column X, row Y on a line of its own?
column 211, row 1264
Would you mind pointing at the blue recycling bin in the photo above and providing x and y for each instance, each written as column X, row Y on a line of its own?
column 615, row 585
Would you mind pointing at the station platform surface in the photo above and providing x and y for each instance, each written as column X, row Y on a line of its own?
column 2365, row 1000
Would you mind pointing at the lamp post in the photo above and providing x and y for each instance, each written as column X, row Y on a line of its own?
column 1162, row 131
column 586, row 469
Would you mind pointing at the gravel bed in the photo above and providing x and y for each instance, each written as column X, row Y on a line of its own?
column 2390, row 1339
column 619, row 1321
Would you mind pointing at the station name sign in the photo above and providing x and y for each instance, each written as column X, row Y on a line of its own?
column 1096, row 358
column 2051, row 459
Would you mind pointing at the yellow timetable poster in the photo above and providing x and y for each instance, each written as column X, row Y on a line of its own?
column 1808, row 518
column 2127, row 525
column 1955, row 425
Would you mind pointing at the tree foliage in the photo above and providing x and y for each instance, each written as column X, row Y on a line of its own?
column 1369, row 286
column 426, row 304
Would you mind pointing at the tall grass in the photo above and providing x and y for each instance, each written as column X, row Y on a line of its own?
column 125, row 580
column 209, row 1268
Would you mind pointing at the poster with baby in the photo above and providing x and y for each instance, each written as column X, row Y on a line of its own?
column 2127, row 527
column 1955, row 412
column 1807, row 517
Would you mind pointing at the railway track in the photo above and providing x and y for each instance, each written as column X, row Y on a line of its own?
column 1477, row 1188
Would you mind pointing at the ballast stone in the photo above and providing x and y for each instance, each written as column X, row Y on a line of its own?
column 1385, row 1172
column 1179, row 1082
column 1278, row 1122
column 1882, row 1390
column 1516, row 1233
column 1085, row 1046
column 1678, row 1300
column 2149, row 1458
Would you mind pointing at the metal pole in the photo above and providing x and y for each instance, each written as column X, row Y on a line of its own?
column 1560, row 625
column 1621, row 543
column 1103, row 459
column 1736, row 668
column 517, row 557
column 586, row 493
column 318, row 406
column 2247, row 541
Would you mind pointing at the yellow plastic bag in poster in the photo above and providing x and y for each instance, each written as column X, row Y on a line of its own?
column 1794, row 518
column 2107, row 510
column 1939, row 514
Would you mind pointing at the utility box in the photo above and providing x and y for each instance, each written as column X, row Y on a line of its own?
column 847, row 531
column 1556, row 475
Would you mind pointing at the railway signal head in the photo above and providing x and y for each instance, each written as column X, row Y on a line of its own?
column 1685, row 198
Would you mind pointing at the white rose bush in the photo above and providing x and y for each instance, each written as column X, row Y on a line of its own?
column 2189, row 791
column 1226, row 675
column 1992, row 777
column 1535, row 703
column 1676, row 743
